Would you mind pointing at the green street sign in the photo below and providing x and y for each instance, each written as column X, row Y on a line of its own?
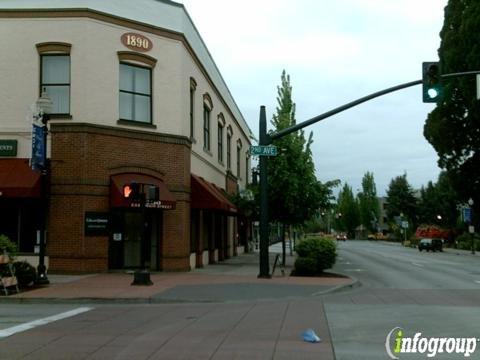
column 8, row 147
column 263, row 150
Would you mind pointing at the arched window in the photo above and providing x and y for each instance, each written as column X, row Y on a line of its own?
column 221, row 127
column 193, row 87
column 247, row 168
column 239, row 157
column 229, row 147
column 207, row 110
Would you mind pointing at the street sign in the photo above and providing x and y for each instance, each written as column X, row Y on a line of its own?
column 263, row 150
column 405, row 224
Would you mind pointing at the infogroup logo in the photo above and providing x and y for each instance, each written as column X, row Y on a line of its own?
column 397, row 343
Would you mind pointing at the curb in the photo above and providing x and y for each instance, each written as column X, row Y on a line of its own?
column 345, row 287
column 160, row 300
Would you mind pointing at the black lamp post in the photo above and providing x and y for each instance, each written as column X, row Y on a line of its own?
column 43, row 107
column 470, row 226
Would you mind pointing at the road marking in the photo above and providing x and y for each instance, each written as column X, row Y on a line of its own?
column 357, row 270
column 417, row 264
column 32, row 324
column 477, row 281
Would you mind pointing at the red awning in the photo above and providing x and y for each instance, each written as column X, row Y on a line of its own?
column 206, row 195
column 166, row 201
column 18, row 180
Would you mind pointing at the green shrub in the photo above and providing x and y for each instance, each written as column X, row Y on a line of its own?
column 319, row 251
column 25, row 273
column 305, row 266
column 7, row 245
column 464, row 242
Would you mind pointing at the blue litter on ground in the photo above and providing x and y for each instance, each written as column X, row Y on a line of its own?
column 310, row 336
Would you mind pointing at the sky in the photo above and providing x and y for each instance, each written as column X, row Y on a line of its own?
column 335, row 52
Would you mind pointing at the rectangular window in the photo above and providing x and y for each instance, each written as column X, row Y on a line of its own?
column 135, row 93
column 239, row 153
column 247, row 169
column 206, row 128
column 229, row 155
column 55, row 80
column 220, row 143
column 192, row 111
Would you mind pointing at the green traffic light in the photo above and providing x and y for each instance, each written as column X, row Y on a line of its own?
column 432, row 93
column 432, row 82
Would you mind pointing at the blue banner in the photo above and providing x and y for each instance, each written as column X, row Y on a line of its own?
column 38, row 148
column 467, row 215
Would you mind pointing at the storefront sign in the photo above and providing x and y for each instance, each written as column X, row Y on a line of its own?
column 96, row 223
column 158, row 204
column 8, row 147
column 136, row 42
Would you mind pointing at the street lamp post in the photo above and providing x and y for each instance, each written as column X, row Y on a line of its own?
column 39, row 162
column 470, row 227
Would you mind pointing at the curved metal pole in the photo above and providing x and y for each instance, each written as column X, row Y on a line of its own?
column 339, row 109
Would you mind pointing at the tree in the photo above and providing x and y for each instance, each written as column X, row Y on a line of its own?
column 295, row 193
column 348, row 214
column 293, row 187
column 453, row 127
column 401, row 201
column 438, row 203
column 368, row 203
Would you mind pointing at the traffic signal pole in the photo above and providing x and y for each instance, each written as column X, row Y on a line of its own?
column 266, row 139
column 264, row 241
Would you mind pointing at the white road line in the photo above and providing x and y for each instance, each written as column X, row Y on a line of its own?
column 417, row 264
column 477, row 281
column 30, row 325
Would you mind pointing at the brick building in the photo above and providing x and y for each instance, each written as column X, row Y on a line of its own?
column 137, row 101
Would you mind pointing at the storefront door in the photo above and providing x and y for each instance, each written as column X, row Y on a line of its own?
column 131, row 231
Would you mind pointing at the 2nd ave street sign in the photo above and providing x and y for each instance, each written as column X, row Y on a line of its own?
column 262, row 150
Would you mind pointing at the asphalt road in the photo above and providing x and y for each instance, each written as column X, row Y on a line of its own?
column 437, row 294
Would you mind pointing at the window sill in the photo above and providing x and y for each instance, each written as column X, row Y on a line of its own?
column 136, row 123
column 208, row 151
column 60, row 117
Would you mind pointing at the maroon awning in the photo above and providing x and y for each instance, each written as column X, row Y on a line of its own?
column 18, row 180
column 206, row 195
column 166, row 201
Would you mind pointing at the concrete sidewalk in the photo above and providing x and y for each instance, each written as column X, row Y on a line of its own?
column 233, row 280
column 221, row 311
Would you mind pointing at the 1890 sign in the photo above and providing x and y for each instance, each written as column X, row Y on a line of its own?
column 136, row 42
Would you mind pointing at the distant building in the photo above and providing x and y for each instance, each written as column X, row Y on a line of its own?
column 137, row 99
column 382, row 219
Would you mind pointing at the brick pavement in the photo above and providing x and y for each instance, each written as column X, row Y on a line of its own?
column 232, row 280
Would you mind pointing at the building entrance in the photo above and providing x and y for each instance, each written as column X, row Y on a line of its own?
column 135, row 236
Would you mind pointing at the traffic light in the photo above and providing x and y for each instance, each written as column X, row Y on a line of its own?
column 432, row 82
column 152, row 193
column 131, row 191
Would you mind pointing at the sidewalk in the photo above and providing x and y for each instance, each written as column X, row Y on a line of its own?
column 221, row 311
column 233, row 280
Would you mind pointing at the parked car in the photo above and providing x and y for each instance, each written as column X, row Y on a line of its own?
column 430, row 245
column 342, row 237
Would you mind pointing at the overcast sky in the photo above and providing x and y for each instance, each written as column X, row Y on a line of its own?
column 335, row 52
